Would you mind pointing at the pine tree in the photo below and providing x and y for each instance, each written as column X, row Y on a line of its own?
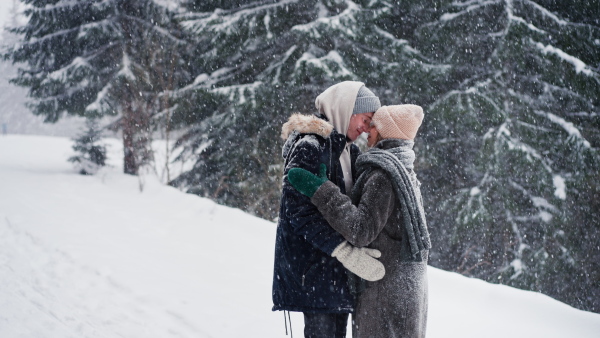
column 512, row 150
column 92, row 155
column 258, row 62
column 95, row 58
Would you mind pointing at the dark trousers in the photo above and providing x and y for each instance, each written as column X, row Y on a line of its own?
column 325, row 325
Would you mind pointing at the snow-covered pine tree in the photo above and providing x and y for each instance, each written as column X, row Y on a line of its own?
column 100, row 57
column 91, row 153
column 259, row 61
column 512, row 152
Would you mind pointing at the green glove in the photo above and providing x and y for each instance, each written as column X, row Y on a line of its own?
column 306, row 182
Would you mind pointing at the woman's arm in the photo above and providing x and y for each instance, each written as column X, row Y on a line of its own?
column 360, row 224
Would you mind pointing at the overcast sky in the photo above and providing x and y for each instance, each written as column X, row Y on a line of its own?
column 5, row 6
column 5, row 9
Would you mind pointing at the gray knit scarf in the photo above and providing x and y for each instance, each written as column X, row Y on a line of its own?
column 397, row 161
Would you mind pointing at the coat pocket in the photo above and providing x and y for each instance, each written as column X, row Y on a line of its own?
column 308, row 269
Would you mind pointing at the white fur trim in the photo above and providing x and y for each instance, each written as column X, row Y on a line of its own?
column 306, row 124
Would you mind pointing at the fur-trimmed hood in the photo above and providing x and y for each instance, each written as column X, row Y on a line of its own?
column 306, row 124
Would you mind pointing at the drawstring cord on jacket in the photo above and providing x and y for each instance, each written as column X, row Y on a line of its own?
column 285, row 320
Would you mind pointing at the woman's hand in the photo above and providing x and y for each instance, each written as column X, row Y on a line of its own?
column 306, row 182
column 360, row 261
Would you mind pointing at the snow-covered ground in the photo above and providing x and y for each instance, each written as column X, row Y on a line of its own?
column 117, row 256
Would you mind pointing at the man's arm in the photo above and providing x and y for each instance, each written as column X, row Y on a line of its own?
column 305, row 218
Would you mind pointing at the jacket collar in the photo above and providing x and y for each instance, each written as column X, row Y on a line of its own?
column 299, row 124
column 306, row 124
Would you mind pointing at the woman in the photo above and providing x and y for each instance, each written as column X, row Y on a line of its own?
column 385, row 213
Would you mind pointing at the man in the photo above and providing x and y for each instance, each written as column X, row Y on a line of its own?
column 310, row 256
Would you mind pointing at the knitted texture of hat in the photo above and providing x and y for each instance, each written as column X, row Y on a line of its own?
column 398, row 121
column 366, row 101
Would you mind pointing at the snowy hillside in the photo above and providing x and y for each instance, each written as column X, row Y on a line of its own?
column 96, row 257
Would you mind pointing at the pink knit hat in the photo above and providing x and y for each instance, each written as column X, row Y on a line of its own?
column 399, row 121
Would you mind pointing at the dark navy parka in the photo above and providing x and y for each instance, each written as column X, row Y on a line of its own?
column 306, row 278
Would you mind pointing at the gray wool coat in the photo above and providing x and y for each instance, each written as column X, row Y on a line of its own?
column 395, row 306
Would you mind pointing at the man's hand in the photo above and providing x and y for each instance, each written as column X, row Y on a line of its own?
column 360, row 261
column 306, row 182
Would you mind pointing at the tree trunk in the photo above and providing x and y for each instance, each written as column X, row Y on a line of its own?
column 130, row 164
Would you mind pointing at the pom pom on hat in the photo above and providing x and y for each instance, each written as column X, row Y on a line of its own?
column 398, row 121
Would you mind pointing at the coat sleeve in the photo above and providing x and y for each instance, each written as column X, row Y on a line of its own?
column 359, row 224
column 303, row 216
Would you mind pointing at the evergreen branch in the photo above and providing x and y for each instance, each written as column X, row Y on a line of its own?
column 451, row 16
column 545, row 12
column 323, row 63
column 161, row 31
column 101, row 23
column 190, row 16
column 471, row 91
column 255, row 7
column 99, row 97
column 504, row 136
column 533, row 127
column 568, row 91
column 529, row 25
column 334, row 22
column 470, row 2
column 474, row 193
column 36, row 40
column 164, row 112
column 538, row 202
column 521, row 246
column 425, row 61
column 562, row 90
column 279, row 64
column 234, row 15
column 86, row 57
column 215, row 78
column 395, row 41
column 76, row 63
column 578, row 64
column 99, row 51
column 568, row 127
column 64, row 3
column 241, row 88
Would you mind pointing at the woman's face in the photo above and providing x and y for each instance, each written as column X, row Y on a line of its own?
column 373, row 137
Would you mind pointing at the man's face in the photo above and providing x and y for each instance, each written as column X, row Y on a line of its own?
column 359, row 123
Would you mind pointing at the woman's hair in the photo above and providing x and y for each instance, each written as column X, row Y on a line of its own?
column 379, row 137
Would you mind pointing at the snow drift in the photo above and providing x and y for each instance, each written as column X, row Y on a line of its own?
column 114, row 255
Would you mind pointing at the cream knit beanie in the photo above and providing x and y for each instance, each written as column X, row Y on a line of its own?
column 398, row 121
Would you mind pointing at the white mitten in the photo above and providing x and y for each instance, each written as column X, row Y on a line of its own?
column 360, row 261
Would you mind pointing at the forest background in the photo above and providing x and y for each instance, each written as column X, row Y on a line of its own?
column 508, row 152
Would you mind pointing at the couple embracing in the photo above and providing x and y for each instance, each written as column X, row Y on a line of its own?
column 352, row 236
